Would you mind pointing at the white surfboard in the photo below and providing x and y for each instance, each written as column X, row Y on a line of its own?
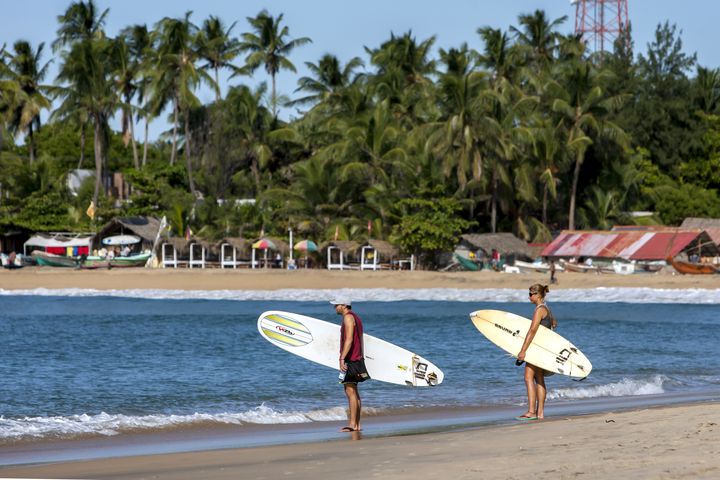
column 121, row 240
column 548, row 350
column 319, row 341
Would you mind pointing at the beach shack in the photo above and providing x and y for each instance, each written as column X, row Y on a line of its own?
column 480, row 247
column 60, row 243
column 200, row 252
column 235, row 252
column 379, row 255
column 341, row 254
column 174, row 252
column 710, row 225
column 642, row 246
column 146, row 228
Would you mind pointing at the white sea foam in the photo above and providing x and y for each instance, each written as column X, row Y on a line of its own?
column 601, row 294
column 624, row 388
column 109, row 424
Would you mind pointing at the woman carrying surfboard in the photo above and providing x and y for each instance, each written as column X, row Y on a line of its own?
column 535, row 376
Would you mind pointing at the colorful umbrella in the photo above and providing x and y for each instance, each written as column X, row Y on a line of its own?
column 264, row 244
column 306, row 246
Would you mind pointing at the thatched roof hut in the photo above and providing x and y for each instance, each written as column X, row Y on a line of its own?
column 144, row 227
column 348, row 247
column 505, row 243
column 211, row 248
column 241, row 245
column 386, row 251
column 182, row 246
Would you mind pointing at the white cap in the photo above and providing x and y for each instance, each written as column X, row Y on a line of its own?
column 340, row 301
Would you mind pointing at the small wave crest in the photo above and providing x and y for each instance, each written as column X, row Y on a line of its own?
column 601, row 294
column 624, row 388
column 105, row 424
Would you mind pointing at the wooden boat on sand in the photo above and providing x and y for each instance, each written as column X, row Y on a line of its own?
column 693, row 268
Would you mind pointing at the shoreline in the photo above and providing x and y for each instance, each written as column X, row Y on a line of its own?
column 249, row 280
column 675, row 441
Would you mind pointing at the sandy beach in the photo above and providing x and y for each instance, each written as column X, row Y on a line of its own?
column 657, row 443
column 217, row 279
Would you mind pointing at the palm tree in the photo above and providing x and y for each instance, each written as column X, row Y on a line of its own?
column 88, row 91
column 404, row 68
column 176, row 78
column 25, row 68
column 126, row 72
column 81, row 21
column 539, row 36
column 583, row 107
column 139, row 41
column 329, row 80
column 267, row 46
column 458, row 139
column 217, row 48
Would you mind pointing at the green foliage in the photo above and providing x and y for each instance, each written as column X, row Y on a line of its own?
column 429, row 226
column 675, row 203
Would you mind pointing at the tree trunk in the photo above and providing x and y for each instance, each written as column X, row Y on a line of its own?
column 136, row 160
column 274, row 98
column 145, row 145
column 544, row 205
column 187, row 154
column 573, row 192
column 493, row 205
column 174, row 134
column 31, row 144
column 98, row 161
column 217, row 85
column 82, row 145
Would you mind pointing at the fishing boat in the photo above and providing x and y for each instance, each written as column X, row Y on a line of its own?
column 94, row 262
column 692, row 268
column 578, row 267
column 466, row 263
column 541, row 267
column 45, row 259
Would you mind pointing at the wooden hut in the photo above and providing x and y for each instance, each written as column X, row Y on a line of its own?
column 235, row 252
column 341, row 254
column 147, row 228
column 482, row 244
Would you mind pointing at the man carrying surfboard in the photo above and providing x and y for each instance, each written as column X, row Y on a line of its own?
column 351, row 360
column 534, row 375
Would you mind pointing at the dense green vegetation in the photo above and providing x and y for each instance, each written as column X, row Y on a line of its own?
column 530, row 133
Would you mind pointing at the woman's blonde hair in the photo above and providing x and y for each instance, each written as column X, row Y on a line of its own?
column 540, row 289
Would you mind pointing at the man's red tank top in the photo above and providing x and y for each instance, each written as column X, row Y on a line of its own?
column 356, row 349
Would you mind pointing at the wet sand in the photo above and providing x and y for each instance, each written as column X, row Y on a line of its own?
column 654, row 443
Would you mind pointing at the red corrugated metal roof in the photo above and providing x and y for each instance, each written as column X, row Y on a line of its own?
column 627, row 244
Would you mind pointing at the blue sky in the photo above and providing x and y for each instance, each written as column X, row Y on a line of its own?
column 343, row 28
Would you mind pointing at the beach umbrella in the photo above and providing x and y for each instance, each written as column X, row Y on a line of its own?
column 264, row 244
column 306, row 246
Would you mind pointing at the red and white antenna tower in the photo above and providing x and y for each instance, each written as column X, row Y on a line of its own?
column 601, row 22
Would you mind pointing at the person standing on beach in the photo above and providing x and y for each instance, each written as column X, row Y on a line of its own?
column 535, row 376
column 352, row 361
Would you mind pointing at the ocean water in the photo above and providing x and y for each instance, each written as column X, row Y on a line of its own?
column 83, row 362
